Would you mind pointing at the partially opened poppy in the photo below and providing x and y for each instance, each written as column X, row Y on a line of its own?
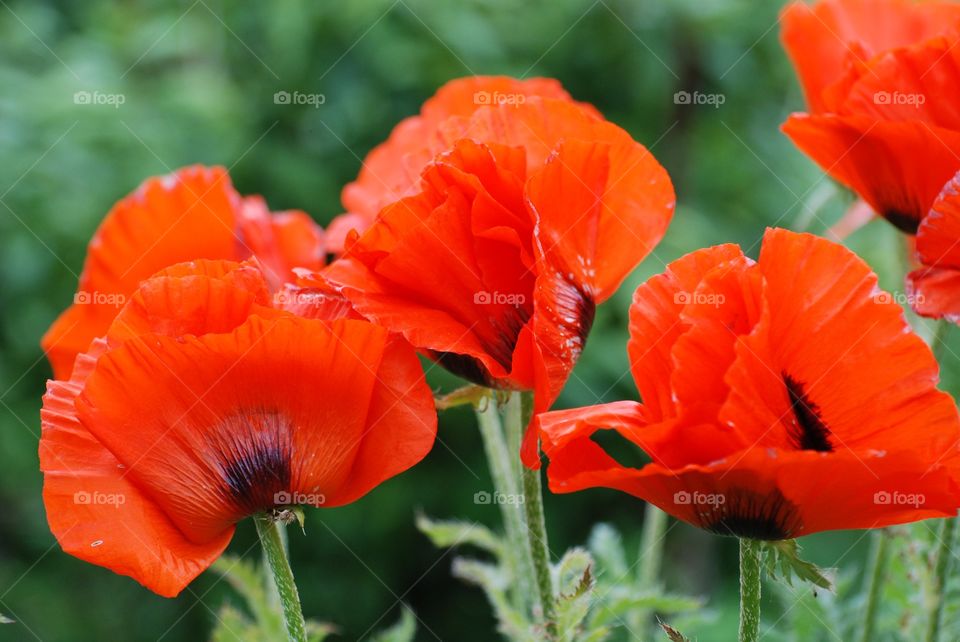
column 194, row 213
column 881, row 80
column 205, row 404
column 934, row 288
column 780, row 398
column 532, row 213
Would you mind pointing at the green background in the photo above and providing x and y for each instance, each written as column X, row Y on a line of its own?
column 198, row 80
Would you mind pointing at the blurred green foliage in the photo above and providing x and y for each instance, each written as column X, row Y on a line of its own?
column 198, row 79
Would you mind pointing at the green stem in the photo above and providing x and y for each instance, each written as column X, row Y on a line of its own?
column 947, row 529
column 749, row 590
column 876, row 574
column 506, row 486
column 651, row 559
column 271, row 539
column 537, row 527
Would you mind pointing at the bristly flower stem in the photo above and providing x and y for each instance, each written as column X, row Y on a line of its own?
column 269, row 531
column 948, row 528
column 537, row 525
column 876, row 572
column 749, row 590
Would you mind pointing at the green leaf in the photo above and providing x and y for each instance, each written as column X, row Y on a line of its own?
column 234, row 626
column 447, row 533
column 402, row 631
column 619, row 601
column 783, row 561
column 247, row 579
column 606, row 545
column 494, row 582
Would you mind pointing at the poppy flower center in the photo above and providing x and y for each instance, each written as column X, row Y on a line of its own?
column 807, row 431
column 903, row 222
column 254, row 450
column 744, row 513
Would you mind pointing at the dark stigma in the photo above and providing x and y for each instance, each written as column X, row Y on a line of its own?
column 809, row 431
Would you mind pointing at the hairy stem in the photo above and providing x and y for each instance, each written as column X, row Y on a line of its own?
column 271, row 539
column 506, row 486
column 537, row 525
column 651, row 559
column 876, row 573
column 948, row 528
column 749, row 590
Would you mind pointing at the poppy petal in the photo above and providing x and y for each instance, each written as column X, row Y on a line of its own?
column 192, row 214
column 823, row 38
column 100, row 516
column 897, row 167
column 392, row 170
column 655, row 323
column 235, row 421
column 280, row 240
column 833, row 366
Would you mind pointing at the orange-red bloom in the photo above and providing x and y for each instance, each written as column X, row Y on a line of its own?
column 194, row 213
column 934, row 288
column 392, row 170
column 518, row 219
column 881, row 80
column 205, row 403
column 780, row 398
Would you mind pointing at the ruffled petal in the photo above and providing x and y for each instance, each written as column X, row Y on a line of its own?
column 898, row 167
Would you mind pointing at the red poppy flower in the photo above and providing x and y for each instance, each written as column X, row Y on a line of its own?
column 534, row 213
column 194, row 213
column 832, row 39
column 781, row 398
column 934, row 288
column 204, row 404
column 392, row 170
column 882, row 88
